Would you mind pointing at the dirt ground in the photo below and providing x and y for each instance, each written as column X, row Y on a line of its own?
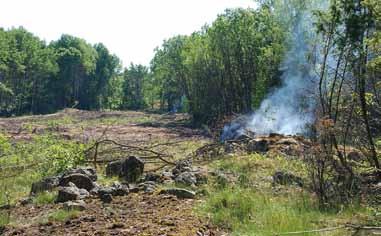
column 135, row 214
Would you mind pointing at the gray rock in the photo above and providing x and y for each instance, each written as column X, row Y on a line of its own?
column 147, row 187
column 182, row 166
column 179, row 193
column 116, row 189
column 187, row 178
column 46, row 184
column 114, row 168
column 80, row 180
column 70, row 193
column 286, row 178
column 132, row 169
column 88, row 171
column 153, row 177
column 106, row 198
column 78, row 205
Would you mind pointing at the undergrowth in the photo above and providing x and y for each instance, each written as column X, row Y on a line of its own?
column 25, row 162
column 247, row 203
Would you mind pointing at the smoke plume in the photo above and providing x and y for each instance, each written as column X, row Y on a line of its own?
column 289, row 109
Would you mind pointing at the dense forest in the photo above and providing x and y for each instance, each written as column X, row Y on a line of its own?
column 228, row 67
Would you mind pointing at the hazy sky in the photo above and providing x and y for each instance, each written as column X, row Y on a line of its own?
column 129, row 28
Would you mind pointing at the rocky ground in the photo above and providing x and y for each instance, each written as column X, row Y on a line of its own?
column 144, row 208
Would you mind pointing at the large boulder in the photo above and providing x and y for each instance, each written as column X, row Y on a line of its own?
column 71, row 193
column 88, row 171
column 179, row 193
column 45, row 184
column 80, row 180
column 132, row 169
column 114, row 168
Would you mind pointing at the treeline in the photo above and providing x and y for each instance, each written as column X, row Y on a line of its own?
column 225, row 68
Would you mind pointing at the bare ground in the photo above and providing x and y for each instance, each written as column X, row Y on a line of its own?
column 135, row 214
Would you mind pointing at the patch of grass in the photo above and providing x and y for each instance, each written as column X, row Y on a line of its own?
column 4, row 218
column 45, row 198
column 25, row 162
column 106, row 181
column 250, row 205
column 63, row 215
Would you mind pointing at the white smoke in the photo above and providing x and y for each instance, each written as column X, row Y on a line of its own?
column 289, row 109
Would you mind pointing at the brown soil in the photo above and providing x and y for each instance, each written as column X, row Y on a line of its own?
column 135, row 214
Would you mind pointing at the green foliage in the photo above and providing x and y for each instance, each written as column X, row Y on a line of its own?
column 227, row 67
column 133, row 87
column 40, row 78
column 26, row 162
column 45, row 198
column 4, row 218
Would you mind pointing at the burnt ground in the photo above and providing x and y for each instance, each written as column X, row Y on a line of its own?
column 135, row 214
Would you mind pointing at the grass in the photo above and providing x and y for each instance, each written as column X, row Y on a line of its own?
column 250, row 205
column 63, row 215
column 4, row 218
column 45, row 198
column 25, row 162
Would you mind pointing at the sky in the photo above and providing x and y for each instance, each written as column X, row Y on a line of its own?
column 131, row 29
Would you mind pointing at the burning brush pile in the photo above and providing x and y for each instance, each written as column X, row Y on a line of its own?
column 277, row 144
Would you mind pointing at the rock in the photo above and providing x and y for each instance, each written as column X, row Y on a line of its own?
column 88, row 171
column 106, row 198
column 147, row 187
column 78, row 205
column 285, row 178
column 25, row 201
column 153, row 177
column 258, row 145
column 116, row 189
column 120, row 189
column 186, row 178
column 114, row 168
column 354, row 156
column 132, row 169
column 71, row 193
column 46, row 184
column 179, row 193
column 182, row 166
column 80, row 180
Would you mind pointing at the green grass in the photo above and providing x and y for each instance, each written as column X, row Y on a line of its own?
column 25, row 162
column 63, row 215
column 4, row 218
column 45, row 198
column 248, row 204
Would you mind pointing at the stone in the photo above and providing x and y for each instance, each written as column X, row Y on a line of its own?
column 78, row 205
column 179, row 193
column 286, row 178
column 153, row 177
column 114, row 168
column 147, row 187
column 46, row 184
column 80, row 180
column 132, row 169
column 106, row 198
column 120, row 189
column 186, row 178
column 116, row 189
column 258, row 145
column 182, row 166
column 70, row 193
column 88, row 171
